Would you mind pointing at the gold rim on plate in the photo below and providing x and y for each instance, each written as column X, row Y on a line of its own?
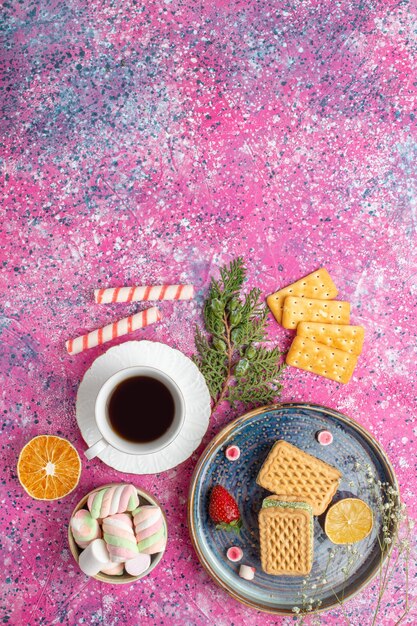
column 220, row 437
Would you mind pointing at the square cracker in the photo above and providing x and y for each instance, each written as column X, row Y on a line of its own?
column 318, row 358
column 318, row 284
column 312, row 310
column 286, row 541
column 293, row 473
column 342, row 336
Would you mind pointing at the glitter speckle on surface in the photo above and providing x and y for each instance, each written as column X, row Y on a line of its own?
column 148, row 143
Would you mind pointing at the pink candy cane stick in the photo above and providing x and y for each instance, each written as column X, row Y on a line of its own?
column 111, row 331
column 136, row 294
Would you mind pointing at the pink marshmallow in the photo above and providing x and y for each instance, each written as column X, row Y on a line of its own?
column 84, row 528
column 120, row 538
column 232, row 453
column 324, row 437
column 156, row 547
column 149, row 531
column 138, row 565
column 115, row 569
column 112, row 500
column 234, row 554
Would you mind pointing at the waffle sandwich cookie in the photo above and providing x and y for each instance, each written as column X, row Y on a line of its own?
column 286, row 537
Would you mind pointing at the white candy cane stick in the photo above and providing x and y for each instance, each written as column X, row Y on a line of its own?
column 111, row 331
column 136, row 294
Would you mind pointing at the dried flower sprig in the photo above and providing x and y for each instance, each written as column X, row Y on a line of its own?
column 395, row 548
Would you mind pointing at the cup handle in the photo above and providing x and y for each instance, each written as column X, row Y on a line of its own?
column 95, row 449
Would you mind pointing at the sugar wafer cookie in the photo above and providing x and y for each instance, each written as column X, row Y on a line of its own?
column 318, row 358
column 312, row 310
column 318, row 284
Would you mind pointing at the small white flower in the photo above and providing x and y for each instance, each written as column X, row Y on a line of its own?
column 405, row 545
column 296, row 609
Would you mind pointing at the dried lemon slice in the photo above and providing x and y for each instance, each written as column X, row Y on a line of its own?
column 348, row 521
column 48, row 467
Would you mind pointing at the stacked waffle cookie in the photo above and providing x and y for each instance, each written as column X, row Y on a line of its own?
column 326, row 343
column 286, row 537
column 303, row 486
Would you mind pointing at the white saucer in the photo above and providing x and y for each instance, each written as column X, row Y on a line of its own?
column 181, row 369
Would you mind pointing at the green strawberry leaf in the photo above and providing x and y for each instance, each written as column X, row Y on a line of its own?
column 234, row 526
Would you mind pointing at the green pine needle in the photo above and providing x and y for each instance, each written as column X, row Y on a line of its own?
column 235, row 367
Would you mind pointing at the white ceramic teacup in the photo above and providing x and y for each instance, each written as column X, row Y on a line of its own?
column 108, row 435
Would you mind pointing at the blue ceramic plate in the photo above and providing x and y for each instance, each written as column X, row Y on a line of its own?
column 336, row 570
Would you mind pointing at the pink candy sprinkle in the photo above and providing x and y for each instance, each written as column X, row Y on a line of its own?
column 234, row 554
column 232, row 453
column 324, row 437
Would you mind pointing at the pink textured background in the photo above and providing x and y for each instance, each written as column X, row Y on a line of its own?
column 151, row 142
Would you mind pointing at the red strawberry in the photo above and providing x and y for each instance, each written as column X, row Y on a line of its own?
column 223, row 510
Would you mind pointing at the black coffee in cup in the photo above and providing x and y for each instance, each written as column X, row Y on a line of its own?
column 141, row 409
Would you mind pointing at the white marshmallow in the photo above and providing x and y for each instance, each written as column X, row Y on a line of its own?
column 94, row 558
column 247, row 572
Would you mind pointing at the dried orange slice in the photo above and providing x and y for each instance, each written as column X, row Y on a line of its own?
column 48, row 467
column 348, row 521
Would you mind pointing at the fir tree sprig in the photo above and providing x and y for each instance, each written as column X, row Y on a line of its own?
column 235, row 367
